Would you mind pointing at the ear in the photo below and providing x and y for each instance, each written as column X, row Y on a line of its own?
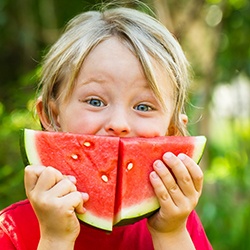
column 184, row 119
column 46, row 122
column 174, row 129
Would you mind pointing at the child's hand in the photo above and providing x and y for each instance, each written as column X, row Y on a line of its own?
column 55, row 200
column 177, row 182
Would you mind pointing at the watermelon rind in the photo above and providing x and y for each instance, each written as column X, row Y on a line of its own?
column 22, row 147
column 200, row 143
column 28, row 147
column 136, row 212
column 95, row 221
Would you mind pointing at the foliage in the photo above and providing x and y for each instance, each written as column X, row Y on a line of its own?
column 215, row 36
column 234, row 43
column 224, row 206
column 11, row 171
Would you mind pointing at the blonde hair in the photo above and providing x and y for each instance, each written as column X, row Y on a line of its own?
column 145, row 36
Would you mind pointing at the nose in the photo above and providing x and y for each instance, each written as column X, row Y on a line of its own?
column 118, row 124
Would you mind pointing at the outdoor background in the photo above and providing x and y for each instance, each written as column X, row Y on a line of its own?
column 215, row 35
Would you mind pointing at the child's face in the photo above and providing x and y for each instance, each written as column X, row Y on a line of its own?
column 112, row 97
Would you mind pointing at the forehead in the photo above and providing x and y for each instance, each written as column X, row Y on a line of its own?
column 112, row 56
column 121, row 54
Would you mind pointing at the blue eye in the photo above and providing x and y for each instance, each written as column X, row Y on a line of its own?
column 95, row 102
column 143, row 107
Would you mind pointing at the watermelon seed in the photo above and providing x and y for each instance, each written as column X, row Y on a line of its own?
column 87, row 144
column 130, row 166
column 105, row 178
column 74, row 156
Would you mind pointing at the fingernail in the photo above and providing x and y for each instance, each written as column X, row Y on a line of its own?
column 168, row 155
column 85, row 196
column 72, row 178
column 158, row 164
column 181, row 156
column 154, row 175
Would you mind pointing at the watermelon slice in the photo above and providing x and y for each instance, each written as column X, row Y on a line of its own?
column 91, row 159
column 135, row 164
column 113, row 171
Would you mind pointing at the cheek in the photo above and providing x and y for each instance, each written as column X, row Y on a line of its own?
column 75, row 125
column 83, row 123
column 68, row 119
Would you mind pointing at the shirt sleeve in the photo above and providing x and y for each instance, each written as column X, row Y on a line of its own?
column 5, row 241
column 19, row 229
column 197, row 233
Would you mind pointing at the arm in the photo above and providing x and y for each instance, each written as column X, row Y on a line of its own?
column 55, row 201
column 174, row 240
column 46, row 243
column 178, row 188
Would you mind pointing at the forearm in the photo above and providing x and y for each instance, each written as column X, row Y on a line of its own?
column 45, row 244
column 172, row 240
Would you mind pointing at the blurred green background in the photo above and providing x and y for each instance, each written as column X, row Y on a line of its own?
column 215, row 35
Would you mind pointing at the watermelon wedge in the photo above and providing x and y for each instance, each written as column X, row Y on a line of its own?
column 113, row 171
column 91, row 159
column 135, row 164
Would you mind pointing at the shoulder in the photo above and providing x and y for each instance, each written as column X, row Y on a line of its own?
column 18, row 215
column 18, row 205
column 197, row 232
column 17, row 223
column 194, row 224
column 16, row 210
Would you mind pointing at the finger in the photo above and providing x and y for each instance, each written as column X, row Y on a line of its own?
column 48, row 178
column 77, row 200
column 194, row 171
column 165, row 185
column 31, row 175
column 159, row 188
column 181, row 173
column 71, row 178
column 62, row 188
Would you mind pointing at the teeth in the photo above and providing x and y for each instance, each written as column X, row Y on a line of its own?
column 105, row 178
column 87, row 144
column 130, row 166
column 74, row 156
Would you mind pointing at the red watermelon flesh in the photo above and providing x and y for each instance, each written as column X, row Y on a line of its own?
column 135, row 163
column 113, row 171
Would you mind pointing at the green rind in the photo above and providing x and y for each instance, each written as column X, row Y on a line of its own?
column 95, row 221
column 28, row 147
column 22, row 147
column 138, row 212
column 128, row 221
column 199, row 148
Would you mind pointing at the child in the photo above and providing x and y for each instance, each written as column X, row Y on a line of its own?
column 118, row 72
